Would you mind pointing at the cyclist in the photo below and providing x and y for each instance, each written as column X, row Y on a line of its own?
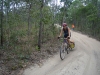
column 66, row 31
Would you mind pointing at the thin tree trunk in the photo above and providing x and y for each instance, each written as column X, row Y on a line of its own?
column 2, row 24
column 64, row 14
column 29, row 20
column 29, row 27
column 7, row 30
column 40, row 28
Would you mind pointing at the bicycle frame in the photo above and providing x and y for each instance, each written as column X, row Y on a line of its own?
column 64, row 47
column 65, row 41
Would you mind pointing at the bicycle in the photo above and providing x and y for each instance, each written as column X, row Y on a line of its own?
column 64, row 47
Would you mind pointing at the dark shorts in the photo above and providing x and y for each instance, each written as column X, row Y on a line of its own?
column 66, row 35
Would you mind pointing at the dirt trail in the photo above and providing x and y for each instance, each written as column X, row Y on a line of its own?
column 83, row 60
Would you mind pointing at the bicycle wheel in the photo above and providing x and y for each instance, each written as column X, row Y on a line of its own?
column 67, row 50
column 62, row 52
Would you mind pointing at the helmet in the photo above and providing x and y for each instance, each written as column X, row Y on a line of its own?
column 64, row 24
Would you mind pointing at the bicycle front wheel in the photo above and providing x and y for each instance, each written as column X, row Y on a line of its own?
column 62, row 52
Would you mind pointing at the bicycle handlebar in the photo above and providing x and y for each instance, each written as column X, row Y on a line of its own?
column 62, row 38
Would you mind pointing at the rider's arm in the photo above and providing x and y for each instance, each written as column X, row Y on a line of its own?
column 69, row 31
column 61, row 32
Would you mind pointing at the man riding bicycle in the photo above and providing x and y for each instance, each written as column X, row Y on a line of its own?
column 66, row 31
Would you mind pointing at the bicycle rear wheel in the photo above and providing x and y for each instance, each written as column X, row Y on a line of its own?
column 62, row 52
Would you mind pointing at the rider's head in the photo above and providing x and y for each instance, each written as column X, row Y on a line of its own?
column 64, row 25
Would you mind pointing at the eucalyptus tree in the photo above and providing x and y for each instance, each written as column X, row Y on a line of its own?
column 1, row 22
column 85, row 15
column 64, row 9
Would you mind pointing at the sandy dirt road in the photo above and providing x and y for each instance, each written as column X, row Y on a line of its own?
column 84, row 59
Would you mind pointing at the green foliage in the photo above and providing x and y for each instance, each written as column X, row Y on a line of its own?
column 85, row 17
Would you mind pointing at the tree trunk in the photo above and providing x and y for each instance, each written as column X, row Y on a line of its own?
column 40, row 28
column 64, row 14
column 7, row 24
column 2, row 24
column 29, row 19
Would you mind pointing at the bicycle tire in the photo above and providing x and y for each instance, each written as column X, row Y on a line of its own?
column 62, row 52
column 67, row 50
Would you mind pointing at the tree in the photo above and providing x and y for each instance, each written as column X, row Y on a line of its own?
column 85, row 16
column 40, row 27
column 64, row 9
column 1, row 23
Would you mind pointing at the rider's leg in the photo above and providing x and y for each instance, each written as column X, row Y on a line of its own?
column 67, row 38
column 71, row 41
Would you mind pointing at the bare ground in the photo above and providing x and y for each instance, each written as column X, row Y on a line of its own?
column 83, row 60
column 10, row 64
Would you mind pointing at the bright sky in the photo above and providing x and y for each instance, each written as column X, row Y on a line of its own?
column 58, row 2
